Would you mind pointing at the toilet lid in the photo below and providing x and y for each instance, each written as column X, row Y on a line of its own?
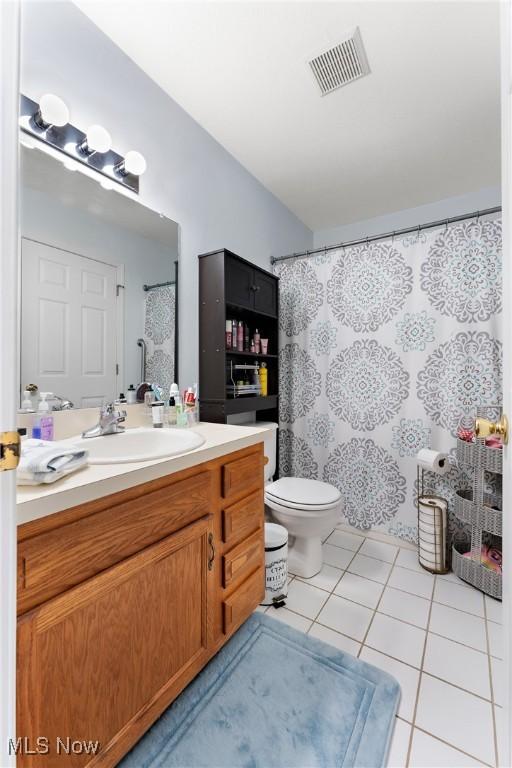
column 298, row 490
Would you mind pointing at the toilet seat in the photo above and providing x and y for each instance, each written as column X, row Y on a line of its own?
column 302, row 495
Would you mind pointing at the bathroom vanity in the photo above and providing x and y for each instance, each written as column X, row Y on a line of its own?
column 123, row 598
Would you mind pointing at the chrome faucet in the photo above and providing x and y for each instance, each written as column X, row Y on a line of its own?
column 110, row 422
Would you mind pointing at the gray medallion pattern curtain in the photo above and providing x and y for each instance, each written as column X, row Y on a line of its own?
column 384, row 348
column 159, row 331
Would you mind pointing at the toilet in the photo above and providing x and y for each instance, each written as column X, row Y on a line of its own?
column 308, row 509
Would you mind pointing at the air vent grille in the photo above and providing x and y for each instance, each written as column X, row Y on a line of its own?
column 340, row 65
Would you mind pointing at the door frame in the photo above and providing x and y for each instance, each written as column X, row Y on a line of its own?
column 9, row 256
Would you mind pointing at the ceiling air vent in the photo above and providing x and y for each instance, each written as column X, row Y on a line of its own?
column 341, row 64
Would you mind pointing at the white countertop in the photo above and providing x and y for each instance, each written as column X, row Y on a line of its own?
column 95, row 481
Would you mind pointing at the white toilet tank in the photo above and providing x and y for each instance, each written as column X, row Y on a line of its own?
column 270, row 448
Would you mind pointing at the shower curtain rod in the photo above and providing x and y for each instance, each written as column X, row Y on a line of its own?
column 395, row 233
column 158, row 285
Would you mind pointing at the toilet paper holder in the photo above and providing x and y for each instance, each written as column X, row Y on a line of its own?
column 432, row 526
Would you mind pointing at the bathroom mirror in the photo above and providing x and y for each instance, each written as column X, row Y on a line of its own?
column 98, row 286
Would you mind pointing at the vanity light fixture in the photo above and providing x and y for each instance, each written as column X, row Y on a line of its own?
column 89, row 152
column 97, row 139
column 51, row 111
column 133, row 163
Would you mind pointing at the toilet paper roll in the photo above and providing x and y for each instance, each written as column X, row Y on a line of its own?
column 433, row 461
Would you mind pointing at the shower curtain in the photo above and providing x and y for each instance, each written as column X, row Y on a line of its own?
column 159, row 331
column 384, row 348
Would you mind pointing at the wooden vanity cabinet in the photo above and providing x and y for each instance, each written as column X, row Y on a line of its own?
column 100, row 660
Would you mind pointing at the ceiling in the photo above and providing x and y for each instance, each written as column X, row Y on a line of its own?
column 422, row 126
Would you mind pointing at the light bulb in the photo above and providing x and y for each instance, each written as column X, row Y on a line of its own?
column 133, row 163
column 97, row 139
column 52, row 111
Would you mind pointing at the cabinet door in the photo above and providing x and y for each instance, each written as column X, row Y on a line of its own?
column 239, row 283
column 265, row 293
column 101, row 661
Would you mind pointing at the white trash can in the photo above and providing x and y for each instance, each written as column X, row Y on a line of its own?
column 276, row 563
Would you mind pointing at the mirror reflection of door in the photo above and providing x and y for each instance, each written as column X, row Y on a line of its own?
column 69, row 334
column 98, row 274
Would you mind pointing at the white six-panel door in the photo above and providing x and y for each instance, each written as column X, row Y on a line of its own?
column 68, row 325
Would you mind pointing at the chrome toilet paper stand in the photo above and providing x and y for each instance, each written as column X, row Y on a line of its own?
column 420, row 473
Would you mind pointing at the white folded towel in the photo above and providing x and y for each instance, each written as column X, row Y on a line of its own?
column 45, row 461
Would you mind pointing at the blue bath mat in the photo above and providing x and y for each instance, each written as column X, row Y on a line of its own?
column 275, row 698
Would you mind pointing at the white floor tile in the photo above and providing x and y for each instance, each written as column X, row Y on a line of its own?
column 454, row 579
column 326, row 579
column 359, row 590
column 345, row 617
column 408, row 558
column 427, row 752
column 288, row 617
column 498, row 682
column 399, row 744
column 499, row 715
column 406, row 676
column 379, row 549
column 336, row 556
column 462, row 598
column 461, row 719
column 495, row 639
column 459, row 626
column 420, row 584
column 370, row 568
column 494, row 609
column 457, row 664
column 346, row 540
column 335, row 638
column 404, row 606
column 397, row 639
column 305, row 599
column 261, row 608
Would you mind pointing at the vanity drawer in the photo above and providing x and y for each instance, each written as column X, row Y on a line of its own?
column 239, row 606
column 243, row 559
column 241, row 519
column 52, row 562
column 242, row 474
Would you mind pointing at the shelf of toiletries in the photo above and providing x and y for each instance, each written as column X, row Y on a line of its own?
column 244, row 337
column 254, row 403
column 476, row 453
column 252, row 355
column 487, row 516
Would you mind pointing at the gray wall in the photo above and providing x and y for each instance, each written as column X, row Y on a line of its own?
column 410, row 217
column 190, row 177
column 45, row 219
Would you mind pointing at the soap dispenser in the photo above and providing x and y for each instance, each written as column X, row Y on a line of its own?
column 43, row 422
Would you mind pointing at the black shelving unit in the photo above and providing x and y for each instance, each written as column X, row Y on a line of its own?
column 232, row 288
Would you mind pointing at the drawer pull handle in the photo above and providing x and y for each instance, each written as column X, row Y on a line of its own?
column 211, row 557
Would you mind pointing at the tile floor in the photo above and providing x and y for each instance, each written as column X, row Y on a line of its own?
column 440, row 638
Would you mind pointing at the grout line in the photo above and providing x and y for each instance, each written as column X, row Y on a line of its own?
column 418, row 688
column 378, row 603
column 457, row 749
column 489, row 663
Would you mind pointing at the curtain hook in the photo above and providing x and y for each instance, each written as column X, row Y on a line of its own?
column 446, row 225
column 367, row 236
column 392, row 237
column 477, row 217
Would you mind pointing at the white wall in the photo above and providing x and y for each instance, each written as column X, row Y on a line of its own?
column 45, row 219
column 410, row 217
column 190, row 177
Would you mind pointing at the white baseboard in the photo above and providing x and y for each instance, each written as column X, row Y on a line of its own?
column 387, row 538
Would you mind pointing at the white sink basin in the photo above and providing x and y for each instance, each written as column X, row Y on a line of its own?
column 139, row 444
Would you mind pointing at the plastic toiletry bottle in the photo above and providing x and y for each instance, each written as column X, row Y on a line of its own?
column 131, row 395
column 229, row 334
column 234, row 332
column 257, row 342
column 44, row 419
column 263, row 373
column 157, row 413
column 240, row 337
column 26, row 403
column 149, row 398
column 247, row 341
column 181, row 417
column 171, row 412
